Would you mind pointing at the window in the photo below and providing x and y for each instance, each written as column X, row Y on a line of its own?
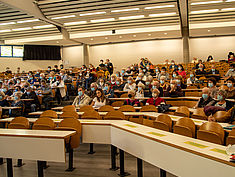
column 11, row 51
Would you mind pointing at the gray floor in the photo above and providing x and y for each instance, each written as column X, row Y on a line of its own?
column 96, row 165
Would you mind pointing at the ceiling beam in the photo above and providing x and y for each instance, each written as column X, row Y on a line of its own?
column 183, row 12
column 31, row 8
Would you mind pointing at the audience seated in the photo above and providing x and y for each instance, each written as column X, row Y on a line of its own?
column 163, row 83
column 173, row 90
column 205, row 100
column 192, row 80
column 108, row 91
column 181, row 71
column 100, row 99
column 164, row 73
column 212, row 87
column 130, row 85
column 231, row 89
column 16, row 102
column 82, row 99
column 31, row 105
column 231, row 71
column 131, row 99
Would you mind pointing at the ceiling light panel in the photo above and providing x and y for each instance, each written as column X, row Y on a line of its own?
column 8, row 23
column 204, row 11
column 162, row 14
column 75, row 23
column 159, row 7
column 131, row 17
column 125, row 10
column 103, row 20
column 206, row 2
column 67, row 16
column 5, row 31
column 228, row 9
column 43, row 26
column 28, row 21
column 93, row 13
column 22, row 29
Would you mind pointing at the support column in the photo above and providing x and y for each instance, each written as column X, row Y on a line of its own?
column 185, row 35
column 86, row 54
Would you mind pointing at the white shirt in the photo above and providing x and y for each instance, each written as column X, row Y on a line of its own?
column 98, row 104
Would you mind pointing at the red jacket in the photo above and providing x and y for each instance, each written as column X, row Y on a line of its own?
column 155, row 102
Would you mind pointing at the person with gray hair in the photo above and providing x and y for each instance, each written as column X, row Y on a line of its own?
column 205, row 100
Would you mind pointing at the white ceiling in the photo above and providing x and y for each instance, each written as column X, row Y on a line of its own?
column 92, row 21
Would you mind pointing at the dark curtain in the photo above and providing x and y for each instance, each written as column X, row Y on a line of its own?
column 41, row 52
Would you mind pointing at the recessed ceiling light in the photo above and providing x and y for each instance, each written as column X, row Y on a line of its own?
column 120, row 37
column 103, row 20
column 68, row 16
column 8, row 23
column 5, row 31
column 149, row 34
column 204, row 11
column 131, row 17
column 209, row 30
column 43, row 26
column 57, row 42
column 93, row 13
column 125, row 10
column 27, row 21
column 92, row 39
column 165, row 33
column 106, row 37
column 134, row 35
column 207, row 2
column 228, row 9
column 158, row 7
column 230, row 1
column 22, row 29
column 162, row 14
column 75, row 23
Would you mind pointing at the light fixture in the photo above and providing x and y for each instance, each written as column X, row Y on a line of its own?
column 106, row 37
column 22, row 29
column 75, row 23
column 8, row 23
column 206, row 2
column 5, row 31
column 68, row 16
column 134, row 35
column 131, row 17
column 57, row 42
column 120, row 37
column 162, row 14
column 149, row 34
column 165, row 33
column 93, row 13
column 158, row 7
column 92, row 39
column 27, row 21
column 43, row 26
column 204, row 11
column 103, row 20
column 125, row 10
column 229, row 0
column 228, row 9
column 209, row 30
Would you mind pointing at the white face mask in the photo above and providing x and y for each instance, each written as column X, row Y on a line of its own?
column 172, row 85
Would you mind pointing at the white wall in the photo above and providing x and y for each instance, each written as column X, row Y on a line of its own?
column 218, row 47
column 27, row 65
column 125, row 54
column 72, row 56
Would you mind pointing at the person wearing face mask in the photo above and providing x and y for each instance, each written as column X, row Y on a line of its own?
column 6, row 91
column 231, row 57
column 48, row 69
column 200, row 70
column 108, row 91
column 113, row 80
column 200, row 63
column 80, row 80
column 205, row 100
column 131, row 99
column 82, row 99
column 31, row 79
column 155, row 100
column 46, row 91
column 100, row 83
column 3, row 101
column 173, row 66
column 56, row 69
column 157, row 72
column 92, row 91
column 148, row 82
column 140, row 91
column 17, row 91
column 100, row 99
column 30, row 106
column 192, row 80
column 181, row 71
column 173, row 90
column 155, row 85
column 213, row 70
column 139, row 79
column 61, row 66
column 119, row 85
column 16, row 103
column 59, row 87
column 163, row 83
column 210, row 59
column 220, row 104
column 164, row 73
column 18, row 82
column 231, row 89
column 212, row 87
column 231, row 71
column 180, row 82
column 130, row 85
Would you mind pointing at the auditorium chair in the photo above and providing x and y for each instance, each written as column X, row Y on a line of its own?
column 91, row 115
column 86, row 108
column 114, row 115
column 199, row 114
column 49, row 114
column 185, row 126
column 211, row 132
column 163, row 122
column 71, row 114
column 117, row 103
column 182, row 111
column 231, row 137
column 69, row 108
column 43, row 124
column 106, row 108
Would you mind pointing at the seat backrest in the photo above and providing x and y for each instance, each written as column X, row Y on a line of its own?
column 114, row 115
column 44, row 124
column 185, row 126
column 71, row 124
column 231, row 137
column 149, row 108
column 69, row 108
column 91, row 115
column 221, row 116
column 19, row 123
column 163, row 122
column 117, row 103
column 212, row 128
column 124, row 95
column 49, row 114
column 199, row 114
column 71, row 114
column 86, row 108
column 148, row 122
column 106, row 108
column 127, row 108
column 182, row 111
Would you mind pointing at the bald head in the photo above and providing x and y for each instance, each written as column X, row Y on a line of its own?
column 205, row 90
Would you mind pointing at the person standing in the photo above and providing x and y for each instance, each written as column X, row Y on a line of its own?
column 109, row 66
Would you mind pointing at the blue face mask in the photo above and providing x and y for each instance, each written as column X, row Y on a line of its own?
column 204, row 96
column 147, row 83
column 129, row 81
column 4, row 90
column 156, row 70
column 229, row 85
column 191, row 75
column 162, row 81
column 28, row 93
column 50, row 78
column 180, row 68
column 92, row 89
column 144, row 70
column 106, row 88
column 139, row 88
column 16, row 98
column 219, row 97
column 117, row 82
column 174, row 75
column 0, row 97
column 80, row 93
column 123, row 71
column 213, row 70
column 117, row 75
column 210, row 84
column 154, row 87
